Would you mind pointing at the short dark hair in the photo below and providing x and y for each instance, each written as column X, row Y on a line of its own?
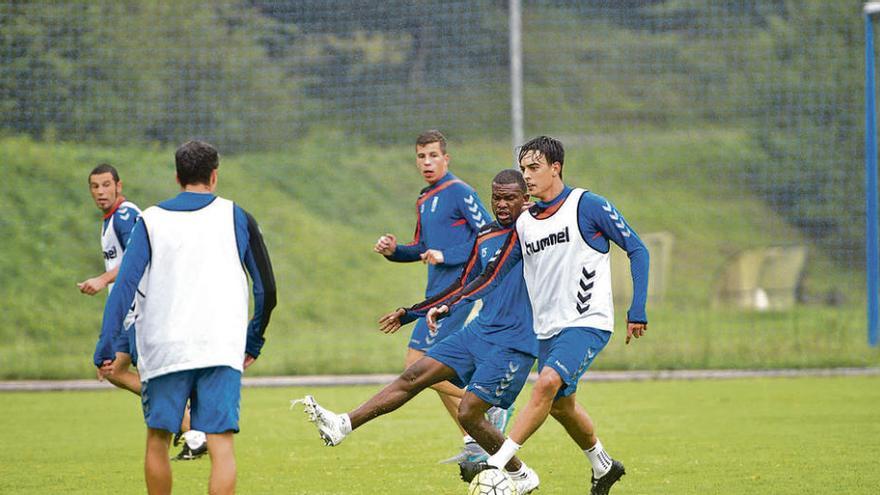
column 432, row 136
column 550, row 148
column 104, row 168
column 195, row 160
column 511, row 176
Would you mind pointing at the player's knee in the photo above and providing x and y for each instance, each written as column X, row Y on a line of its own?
column 158, row 439
column 547, row 385
column 221, row 445
column 468, row 414
column 409, row 379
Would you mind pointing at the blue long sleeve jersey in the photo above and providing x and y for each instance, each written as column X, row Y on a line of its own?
column 124, row 220
column 251, row 250
column 449, row 215
column 506, row 316
column 597, row 228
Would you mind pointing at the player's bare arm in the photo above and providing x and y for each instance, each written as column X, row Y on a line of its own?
column 635, row 330
column 96, row 284
column 105, row 369
column 390, row 322
column 386, row 245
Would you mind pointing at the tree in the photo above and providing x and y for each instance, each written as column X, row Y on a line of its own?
column 150, row 71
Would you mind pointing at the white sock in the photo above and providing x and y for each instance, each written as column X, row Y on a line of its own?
column 600, row 459
column 468, row 439
column 505, row 453
column 346, row 424
column 194, row 438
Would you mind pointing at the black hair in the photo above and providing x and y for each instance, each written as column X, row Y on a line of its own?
column 104, row 168
column 550, row 148
column 195, row 160
column 511, row 176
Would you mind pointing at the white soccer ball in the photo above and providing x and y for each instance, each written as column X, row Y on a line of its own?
column 492, row 482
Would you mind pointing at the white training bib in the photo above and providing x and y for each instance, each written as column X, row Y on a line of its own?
column 195, row 314
column 569, row 282
column 111, row 245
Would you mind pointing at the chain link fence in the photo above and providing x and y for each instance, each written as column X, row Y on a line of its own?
column 728, row 131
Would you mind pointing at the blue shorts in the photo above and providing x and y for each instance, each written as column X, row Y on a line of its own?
column 126, row 342
column 423, row 339
column 214, row 395
column 570, row 353
column 494, row 373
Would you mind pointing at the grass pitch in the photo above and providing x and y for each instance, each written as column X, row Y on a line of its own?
column 756, row 436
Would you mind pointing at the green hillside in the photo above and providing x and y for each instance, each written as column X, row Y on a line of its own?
column 323, row 203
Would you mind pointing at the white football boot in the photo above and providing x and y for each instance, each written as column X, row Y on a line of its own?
column 329, row 423
column 527, row 482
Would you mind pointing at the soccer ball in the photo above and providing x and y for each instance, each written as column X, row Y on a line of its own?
column 492, row 482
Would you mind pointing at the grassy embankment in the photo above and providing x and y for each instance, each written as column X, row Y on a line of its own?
column 321, row 206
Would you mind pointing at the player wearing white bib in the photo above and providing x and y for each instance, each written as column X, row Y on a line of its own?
column 120, row 217
column 195, row 339
column 564, row 244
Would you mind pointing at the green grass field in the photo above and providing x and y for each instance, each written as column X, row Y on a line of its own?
column 744, row 436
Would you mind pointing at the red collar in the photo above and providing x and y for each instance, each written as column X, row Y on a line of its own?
column 110, row 213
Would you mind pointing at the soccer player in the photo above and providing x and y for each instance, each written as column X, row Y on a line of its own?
column 449, row 214
column 564, row 244
column 491, row 356
column 120, row 216
column 193, row 253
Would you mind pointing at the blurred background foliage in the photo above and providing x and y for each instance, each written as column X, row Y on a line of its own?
column 732, row 124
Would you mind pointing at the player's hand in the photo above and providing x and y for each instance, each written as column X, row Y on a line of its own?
column 635, row 330
column 432, row 257
column 92, row 286
column 433, row 313
column 390, row 323
column 386, row 245
column 248, row 360
column 105, row 369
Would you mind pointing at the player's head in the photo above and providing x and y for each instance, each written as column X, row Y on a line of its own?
column 509, row 194
column 540, row 161
column 105, row 186
column 197, row 163
column 431, row 157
